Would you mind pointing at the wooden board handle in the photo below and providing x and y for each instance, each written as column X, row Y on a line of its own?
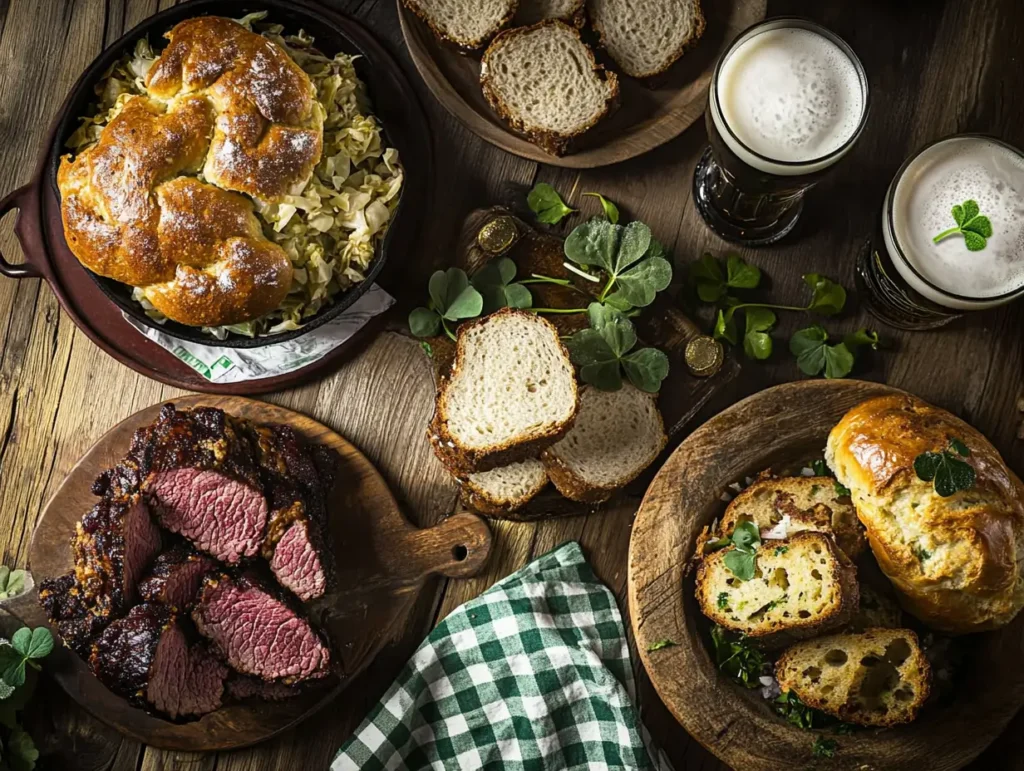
column 457, row 547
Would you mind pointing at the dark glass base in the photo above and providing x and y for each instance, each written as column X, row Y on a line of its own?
column 746, row 232
column 887, row 297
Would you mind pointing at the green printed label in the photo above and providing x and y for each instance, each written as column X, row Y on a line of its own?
column 208, row 371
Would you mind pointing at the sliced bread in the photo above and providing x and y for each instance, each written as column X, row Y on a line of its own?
column 511, row 393
column 505, row 489
column 878, row 677
column 545, row 82
column 801, row 586
column 533, row 11
column 782, row 505
column 645, row 37
column 466, row 23
column 616, row 436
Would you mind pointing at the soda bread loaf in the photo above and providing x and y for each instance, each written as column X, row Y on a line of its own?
column 505, row 489
column 533, row 11
column 511, row 393
column 955, row 561
column 616, row 436
column 802, row 586
column 545, row 82
column 645, row 37
column 810, row 503
column 469, row 24
column 878, row 677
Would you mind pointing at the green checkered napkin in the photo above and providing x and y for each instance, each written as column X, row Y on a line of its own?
column 534, row 674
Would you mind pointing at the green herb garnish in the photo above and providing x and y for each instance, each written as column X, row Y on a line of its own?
column 723, row 600
column 26, row 647
column 742, row 558
column 974, row 226
column 736, row 658
column 605, row 350
column 949, row 474
column 813, row 354
column 820, row 468
column 920, row 552
column 661, row 644
column 427, row 348
column 611, row 211
column 547, row 204
column 780, row 550
column 842, row 491
column 452, row 298
column 796, row 713
column 824, row 747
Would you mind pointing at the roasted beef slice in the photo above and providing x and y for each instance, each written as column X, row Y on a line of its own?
column 175, row 576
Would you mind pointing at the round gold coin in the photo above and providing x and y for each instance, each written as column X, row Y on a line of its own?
column 704, row 356
column 496, row 236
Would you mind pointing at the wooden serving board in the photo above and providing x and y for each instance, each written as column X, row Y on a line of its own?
column 382, row 562
column 651, row 112
column 776, row 427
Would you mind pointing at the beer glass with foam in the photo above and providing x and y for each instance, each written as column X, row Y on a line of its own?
column 787, row 100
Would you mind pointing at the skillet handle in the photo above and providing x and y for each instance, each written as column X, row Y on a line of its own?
column 18, row 199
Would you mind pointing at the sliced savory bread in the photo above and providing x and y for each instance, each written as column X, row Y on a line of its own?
column 616, row 436
column 878, row 677
column 801, row 586
column 466, row 23
column 645, row 37
column 545, row 82
column 783, row 505
column 505, row 489
column 533, row 11
column 511, row 393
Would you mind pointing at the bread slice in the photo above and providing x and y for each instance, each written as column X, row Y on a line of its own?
column 801, row 586
column 533, row 11
column 469, row 24
column 511, row 393
column 545, row 82
column 645, row 37
column 810, row 503
column 878, row 677
column 616, row 436
column 506, row 489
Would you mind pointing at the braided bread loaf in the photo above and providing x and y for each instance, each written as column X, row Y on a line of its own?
column 228, row 103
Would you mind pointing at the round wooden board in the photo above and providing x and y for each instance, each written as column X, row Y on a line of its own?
column 382, row 562
column 782, row 425
column 651, row 112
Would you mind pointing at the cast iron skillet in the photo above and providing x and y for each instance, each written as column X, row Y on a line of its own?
column 390, row 105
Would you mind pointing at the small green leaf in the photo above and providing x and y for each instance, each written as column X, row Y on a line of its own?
column 462, row 300
column 958, row 214
column 493, row 282
column 518, row 296
column 5, row 574
column 838, row 361
column 547, row 204
column 618, row 302
column 21, row 751
column 741, row 275
column 707, row 277
column 40, row 643
column 824, row 747
column 952, row 476
column 21, row 640
column 862, row 337
column 828, row 297
column 841, row 490
column 725, row 327
column 757, row 344
column 980, row 225
column 740, row 563
column 646, row 368
column 926, row 465
column 613, row 326
column 808, row 345
column 639, row 285
column 588, row 346
column 595, row 242
column 820, row 468
column 970, row 211
column 15, row 583
column 723, row 600
column 959, row 447
column 438, row 289
column 633, row 245
column 745, row 536
column 973, row 241
column 6, row 690
column 975, row 227
column 427, row 348
column 660, row 645
column 606, row 376
column 424, row 322
column 611, row 211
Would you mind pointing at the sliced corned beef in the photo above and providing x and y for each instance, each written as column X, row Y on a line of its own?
column 175, row 575
column 146, row 657
column 258, row 632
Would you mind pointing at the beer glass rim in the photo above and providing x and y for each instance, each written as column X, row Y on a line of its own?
column 890, row 217
column 824, row 32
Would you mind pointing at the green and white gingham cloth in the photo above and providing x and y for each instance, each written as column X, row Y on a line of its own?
column 532, row 675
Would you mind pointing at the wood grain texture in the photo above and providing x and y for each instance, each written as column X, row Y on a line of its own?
column 794, row 420
column 650, row 112
column 935, row 66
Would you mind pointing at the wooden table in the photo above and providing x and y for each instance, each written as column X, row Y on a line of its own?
column 935, row 68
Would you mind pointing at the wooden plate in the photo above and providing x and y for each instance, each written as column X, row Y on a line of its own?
column 651, row 112
column 778, row 426
column 382, row 563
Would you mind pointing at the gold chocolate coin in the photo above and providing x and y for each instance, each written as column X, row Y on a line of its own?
column 704, row 356
column 497, row 235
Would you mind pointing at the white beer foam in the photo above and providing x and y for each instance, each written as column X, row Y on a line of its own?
column 943, row 176
column 791, row 95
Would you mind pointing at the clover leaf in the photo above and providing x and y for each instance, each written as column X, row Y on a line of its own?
column 974, row 226
column 494, row 283
column 828, row 297
column 814, row 355
column 862, row 338
column 547, row 204
column 452, row 298
column 21, row 751
column 712, row 283
column 741, row 560
column 611, row 211
column 605, row 349
column 757, row 344
column 12, row 582
column 945, row 470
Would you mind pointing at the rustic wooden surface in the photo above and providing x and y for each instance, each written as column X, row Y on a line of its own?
column 935, row 67
column 683, row 499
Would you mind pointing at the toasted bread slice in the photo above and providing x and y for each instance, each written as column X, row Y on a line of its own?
column 469, row 24
column 801, row 586
column 645, row 37
column 511, row 393
column 545, row 82
column 616, row 436
column 878, row 677
column 533, row 11
column 811, row 503
column 505, row 489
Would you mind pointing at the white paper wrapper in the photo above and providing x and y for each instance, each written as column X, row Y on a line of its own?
column 235, row 365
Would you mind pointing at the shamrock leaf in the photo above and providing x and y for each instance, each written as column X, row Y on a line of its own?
column 814, row 355
column 828, row 298
column 21, row 751
column 603, row 351
column 740, row 275
column 945, row 470
column 959, row 447
column 713, row 284
column 741, row 560
column 862, row 337
column 452, row 298
column 595, row 242
column 639, row 285
column 613, row 326
column 37, row 644
column 757, row 344
column 12, row 666
column 611, row 211
column 547, row 204
column 838, row 361
column 424, row 322
column 974, row 226
column 725, row 327
column 646, row 368
column 494, row 283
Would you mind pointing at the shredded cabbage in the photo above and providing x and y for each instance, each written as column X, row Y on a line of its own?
column 330, row 231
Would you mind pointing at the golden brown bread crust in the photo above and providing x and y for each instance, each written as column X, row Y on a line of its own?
column 956, row 561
